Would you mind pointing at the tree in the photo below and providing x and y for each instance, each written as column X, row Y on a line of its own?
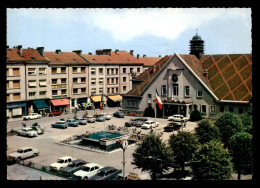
column 247, row 123
column 152, row 155
column 206, row 132
column 213, row 162
column 228, row 124
column 149, row 112
column 195, row 116
column 242, row 153
column 183, row 145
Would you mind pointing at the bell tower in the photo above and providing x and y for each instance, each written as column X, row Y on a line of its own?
column 197, row 45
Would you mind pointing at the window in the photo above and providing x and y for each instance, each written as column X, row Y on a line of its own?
column 112, row 71
column 64, row 80
column 16, row 96
column 124, row 79
column 42, row 71
column 16, row 71
column 112, row 90
column 187, row 91
column 32, row 95
column 75, row 69
column 93, row 71
column 7, row 97
column 64, row 91
column 42, row 83
column 124, row 70
column 108, row 81
column 240, row 110
column 199, row 94
column 131, row 103
column 138, row 70
column 83, row 90
column 116, row 89
column 100, row 70
column 108, row 90
column 83, row 69
column 195, row 106
column 31, row 71
column 93, row 91
column 16, row 84
column 54, row 92
column 124, row 88
column 54, row 81
column 116, row 80
column 53, row 70
column 101, row 81
column 42, row 93
column 231, row 109
column 83, row 80
column 112, row 81
column 149, row 98
column 222, row 109
column 164, row 90
column 75, row 91
column 131, row 70
column 63, row 69
column 75, row 80
column 107, row 71
column 32, row 83
column 93, row 81
column 100, row 90
column 175, row 89
column 212, row 109
column 203, row 109
column 116, row 71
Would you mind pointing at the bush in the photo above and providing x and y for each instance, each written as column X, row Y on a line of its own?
column 195, row 116
column 149, row 112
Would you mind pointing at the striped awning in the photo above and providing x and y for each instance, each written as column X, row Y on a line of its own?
column 98, row 98
column 115, row 98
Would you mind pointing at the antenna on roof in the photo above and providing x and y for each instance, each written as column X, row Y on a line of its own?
column 196, row 31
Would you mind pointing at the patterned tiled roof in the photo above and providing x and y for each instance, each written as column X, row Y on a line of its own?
column 30, row 54
column 149, row 61
column 65, row 57
column 230, row 75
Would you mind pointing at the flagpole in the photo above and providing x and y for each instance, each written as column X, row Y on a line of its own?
column 155, row 107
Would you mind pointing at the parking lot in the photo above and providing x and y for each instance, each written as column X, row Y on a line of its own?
column 51, row 151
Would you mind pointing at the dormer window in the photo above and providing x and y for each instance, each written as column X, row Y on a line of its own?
column 199, row 94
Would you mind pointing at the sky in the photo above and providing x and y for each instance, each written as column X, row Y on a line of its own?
column 149, row 31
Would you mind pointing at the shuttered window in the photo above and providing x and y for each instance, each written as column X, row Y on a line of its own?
column 16, row 84
column 16, row 71
column 16, row 96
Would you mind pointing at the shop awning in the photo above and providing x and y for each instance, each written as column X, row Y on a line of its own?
column 16, row 105
column 60, row 102
column 115, row 98
column 40, row 104
column 98, row 98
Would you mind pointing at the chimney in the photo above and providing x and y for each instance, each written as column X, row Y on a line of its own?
column 206, row 74
column 79, row 52
column 144, row 56
column 20, row 50
column 137, row 56
column 99, row 52
column 107, row 52
column 89, row 53
column 132, row 52
column 116, row 51
column 58, row 52
column 159, row 55
column 40, row 50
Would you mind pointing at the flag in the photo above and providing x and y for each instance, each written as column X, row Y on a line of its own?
column 158, row 100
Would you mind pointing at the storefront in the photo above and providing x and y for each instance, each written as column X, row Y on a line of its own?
column 16, row 110
column 41, row 107
column 62, row 105
column 97, row 99
column 114, row 101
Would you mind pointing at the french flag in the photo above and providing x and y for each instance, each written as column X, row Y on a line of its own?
column 158, row 100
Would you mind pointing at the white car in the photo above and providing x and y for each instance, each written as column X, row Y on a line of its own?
column 106, row 116
column 27, row 131
column 32, row 116
column 61, row 163
column 24, row 152
column 150, row 124
column 177, row 117
column 89, row 170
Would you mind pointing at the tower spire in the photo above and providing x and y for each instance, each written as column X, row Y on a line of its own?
column 197, row 45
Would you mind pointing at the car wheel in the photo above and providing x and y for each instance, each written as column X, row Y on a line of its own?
column 34, row 155
column 85, row 178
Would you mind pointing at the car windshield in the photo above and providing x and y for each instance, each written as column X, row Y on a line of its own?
column 86, row 169
column 19, row 151
column 72, row 165
column 101, row 173
column 60, row 161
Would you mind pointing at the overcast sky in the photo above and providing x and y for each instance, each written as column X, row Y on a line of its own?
column 150, row 31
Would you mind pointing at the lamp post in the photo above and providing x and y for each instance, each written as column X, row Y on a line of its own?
column 124, row 144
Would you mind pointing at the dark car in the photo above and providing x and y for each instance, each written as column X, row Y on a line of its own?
column 119, row 114
column 130, row 123
column 73, row 167
column 72, row 122
column 106, row 173
column 172, row 127
column 139, row 122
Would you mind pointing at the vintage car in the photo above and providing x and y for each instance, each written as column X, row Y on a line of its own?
column 62, row 163
column 99, row 117
column 88, row 171
column 90, row 119
column 177, row 117
column 72, row 122
column 55, row 113
column 106, row 173
column 60, row 124
column 27, row 131
column 24, row 152
column 38, row 129
column 32, row 116
column 119, row 114
column 81, row 121
column 137, row 122
column 130, row 123
column 73, row 167
column 150, row 124
column 172, row 127
column 106, row 116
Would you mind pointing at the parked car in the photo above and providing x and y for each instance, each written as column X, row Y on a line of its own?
column 73, row 167
column 72, row 122
column 55, row 113
column 60, row 124
column 150, row 124
column 90, row 119
column 61, row 163
column 140, row 121
column 27, row 131
column 81, row 121
column 119, row 114
column 177, row 117
column 172, row 127
column 24, row 152
column 88, row 171
column 130, row 123
column 99, row 117
column 32, row 116
column 106, row 116
column 38, row 129
column 106, row 173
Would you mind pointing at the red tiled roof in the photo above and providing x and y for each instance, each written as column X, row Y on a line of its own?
column 149, row 61
column 27, row 55
column 122, row 57
column 230, row 75
column 65, row 57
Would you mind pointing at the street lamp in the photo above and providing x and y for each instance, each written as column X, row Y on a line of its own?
column 124, row 144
